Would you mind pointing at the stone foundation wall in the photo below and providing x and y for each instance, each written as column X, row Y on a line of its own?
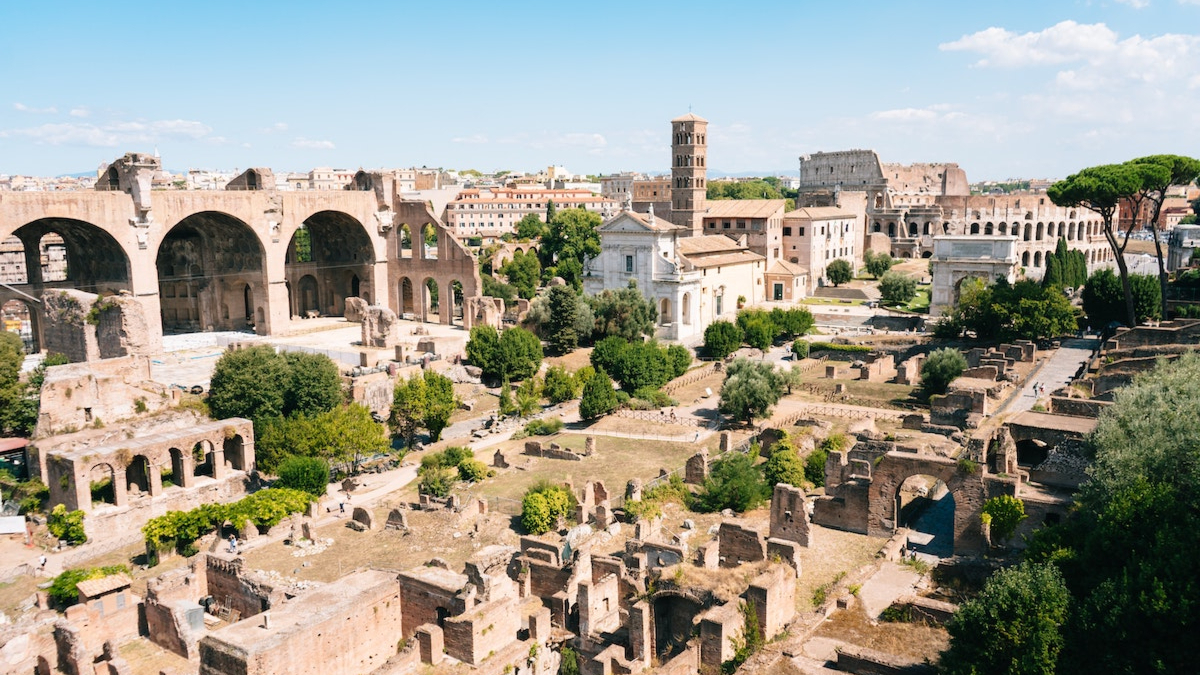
column 482, row 631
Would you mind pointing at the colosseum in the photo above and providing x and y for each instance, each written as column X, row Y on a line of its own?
column 912, row 204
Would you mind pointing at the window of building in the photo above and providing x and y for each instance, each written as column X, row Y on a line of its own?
column 787, row 231
column 802, row 232
column 741, row 224
column 628, row 263
column 725, row 226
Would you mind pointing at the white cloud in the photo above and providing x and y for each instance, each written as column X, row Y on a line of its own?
column 37, row 111
column 278, row 127
column 905, row 115
column 473, row 139
column 1136, row 4
column 79, row 112
column 309, row 144
column 1063, row 42
column 112, row 134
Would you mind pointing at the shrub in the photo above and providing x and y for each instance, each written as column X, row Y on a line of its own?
column 839, row 272
column 1005, row 513
column 734, row 483
column 472, row 470
column 598, row 396
column 66, row 525
column 800, row 349
column 721, row 339
column 546, row 427
column 265, row 508
column 542, row 506
column 831, row 347
column 784, row 465
column 896, row 288
column 436, row 481
column 680, row 358
column 560, row 385
column 656, row 398
column 941, row 368
column 814, row 466
column 307, row 474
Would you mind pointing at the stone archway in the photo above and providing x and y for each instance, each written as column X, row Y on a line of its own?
column 454, row 296
column 925, row 506
column 20, row 316
column 335, row 250
column 102, row 485
column 308, row 295
column 77, row 254
column 674, row 617
column 430, row 301
column 664, row 312
column 407, row 297
column 205, row 262
column 137, row 477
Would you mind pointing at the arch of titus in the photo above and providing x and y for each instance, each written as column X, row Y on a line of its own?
column 245, row 257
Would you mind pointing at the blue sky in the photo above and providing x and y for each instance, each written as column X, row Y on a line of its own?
column 1034, row 89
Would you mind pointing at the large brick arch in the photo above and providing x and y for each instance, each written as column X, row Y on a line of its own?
column 965, row 481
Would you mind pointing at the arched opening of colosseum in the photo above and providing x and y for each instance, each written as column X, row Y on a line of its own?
column 101, row 485
column 404, row 239
column 430, row 302
column 68, row 253
column 989, row 229
column 204, row 263
column 1037, row 259
column 974, row 228
column 876, row 227
column 1031, row 452
column 20, row 316
column 926, row 506
column 912, row 229
column 429, row 239
column 455, row 296
column 1040, row 231
column 137, row 476
column 1025, row 259
column 307, row 296
column 235, row 453
column 892, row 230
column 926, row 229
column 1028, row 232
column 407, row 302
column 1002, row 229
column 203, row 459
column 674, row 622
column 927, row 254
column 338, row 251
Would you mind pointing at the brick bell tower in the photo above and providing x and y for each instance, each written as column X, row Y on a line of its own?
column 689, row 159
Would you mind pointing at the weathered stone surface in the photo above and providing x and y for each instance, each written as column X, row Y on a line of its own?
column 397, row 520
column 380, row 328
column 364, row 516
column 355, row 309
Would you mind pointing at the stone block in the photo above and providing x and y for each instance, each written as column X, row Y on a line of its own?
column 397, row 520
column 432, row 643
column 364, row 516
column 380, row 327
column 355, row 309
column 696, row 470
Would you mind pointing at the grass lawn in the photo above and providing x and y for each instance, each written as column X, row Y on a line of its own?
column 830, row 301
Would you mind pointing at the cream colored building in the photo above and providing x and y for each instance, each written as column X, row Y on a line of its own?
column 493, row 212
column 692, row 281
column 815, row 236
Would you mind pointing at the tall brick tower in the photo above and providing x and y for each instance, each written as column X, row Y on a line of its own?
column 689, row 150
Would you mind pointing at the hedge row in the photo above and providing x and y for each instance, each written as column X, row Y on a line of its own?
column 265, row 508
column 831, row 347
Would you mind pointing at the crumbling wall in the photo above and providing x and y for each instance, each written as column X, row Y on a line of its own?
column 482, row 630
column 244, row 591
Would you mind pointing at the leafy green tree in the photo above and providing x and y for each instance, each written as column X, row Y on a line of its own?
column 1012, row 626
column 1102, row 189
column 436, row 480
column 495, row 289
column 897, row 288
column 308, row 474
column 792, row 377
column 1024, row 310
column 440, row 403
column 66, row 525
column 680, row 358
column 472, row 470
column 571, row 241
column 1180, row 171
column 877, row 264
column 759, row 331
column 814, row 466
column 482, row 347
column 1103, row 301
column 734, row 483
column 608, row 354
column 542, row 506
column 314, row 385
column 790, row 323
column 625, row 313
column 1004, row 513
column 530, row 227
column 529, row 396
column 721, row 339
column 350, row 434
column 598, row 398
column 408, row 408
column 551, row 211
column 750, row 189
column 507, row 407
column 784, row 465
column 839, row 272
column 249, row 383
column 800, row 349
column 561, row 333
column 518, row 354
column 560, row 386
column 524, row 272
column 643, row 364
column 940, row 368
column 750, row 389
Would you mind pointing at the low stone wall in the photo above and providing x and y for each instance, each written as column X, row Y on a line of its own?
column 1077, row 407
column 862, row 661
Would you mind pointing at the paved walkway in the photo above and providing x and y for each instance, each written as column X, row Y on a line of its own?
column 1053, row 373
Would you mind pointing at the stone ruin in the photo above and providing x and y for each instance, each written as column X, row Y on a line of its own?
column 555, row 451
column 380, row 327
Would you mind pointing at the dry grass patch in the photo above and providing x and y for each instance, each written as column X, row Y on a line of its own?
column 914, row 640
column 629, row 425
column 832, row 555
column 725, row 584
column 147, row 658
column 573, row 361
column 693, row 393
